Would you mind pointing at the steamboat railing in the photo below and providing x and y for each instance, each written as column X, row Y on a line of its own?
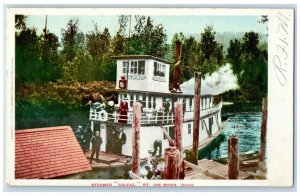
column 151, row 118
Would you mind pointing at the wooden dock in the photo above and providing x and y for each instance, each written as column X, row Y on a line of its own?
column 248, row 161
column 208, row 169
column 107, row 160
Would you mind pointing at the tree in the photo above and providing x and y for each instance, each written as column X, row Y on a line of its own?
column 147, row 38
column 119, row 41
column 250, row 45
column 158, row 46
column 136, row 44
column 27, row 56
column 20, row 22
column 51, row 70
column 93, row 45
column 190, row 57
column 27, row 52
column 98, row 43
column 249, row 63
column 123, row 23
column 234, row 53
column 207, row 43
column 37, row 58
column 99, row 47
column 211, row 52
column 72, row 41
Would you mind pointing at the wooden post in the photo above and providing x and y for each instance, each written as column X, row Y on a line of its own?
column 233, row 158
column 172, row 163
column 178, row 126
column 196, row 114
column 263, row 133
column 178, row 134
column 136, row 138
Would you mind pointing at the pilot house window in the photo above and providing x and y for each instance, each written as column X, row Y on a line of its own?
column 141, row 67
column 125, row 66
column 159, row 69
column 135, row 67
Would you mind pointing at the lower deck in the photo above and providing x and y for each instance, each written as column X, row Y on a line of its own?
column 106, row 160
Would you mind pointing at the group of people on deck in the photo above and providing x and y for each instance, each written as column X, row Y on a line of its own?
column 86, row 137
column 116, row 139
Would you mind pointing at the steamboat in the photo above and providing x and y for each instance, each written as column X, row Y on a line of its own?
column 145, row 79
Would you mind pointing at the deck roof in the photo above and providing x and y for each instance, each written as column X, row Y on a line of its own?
column 48, row 153
column 162, row 94
column 128, row 57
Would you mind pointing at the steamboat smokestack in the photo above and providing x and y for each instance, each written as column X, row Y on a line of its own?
column 176, row 70
column 177, row 51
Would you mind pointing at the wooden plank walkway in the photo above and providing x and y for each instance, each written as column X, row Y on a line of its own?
column 208, row 169
column 248, row 161
column 106, row 160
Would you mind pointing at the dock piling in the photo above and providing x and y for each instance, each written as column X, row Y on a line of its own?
column 233, row 158
column 197, row 95
column 136, row 138
column 172, row 163
column 178, row 135
column 263, row 129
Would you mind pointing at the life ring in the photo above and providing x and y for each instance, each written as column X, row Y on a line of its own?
column 103, row 115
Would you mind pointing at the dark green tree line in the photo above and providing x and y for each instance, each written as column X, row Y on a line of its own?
column 36, row 56
column 249, row 63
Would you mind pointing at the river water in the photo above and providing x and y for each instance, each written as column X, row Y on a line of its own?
column 245, row 125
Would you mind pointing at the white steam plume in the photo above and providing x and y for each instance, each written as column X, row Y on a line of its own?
column 218, row 82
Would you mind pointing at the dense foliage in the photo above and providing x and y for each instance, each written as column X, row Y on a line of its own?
column 250, row 65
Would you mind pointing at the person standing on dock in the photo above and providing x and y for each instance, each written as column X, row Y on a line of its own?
column 120, row 140
column 79, row 136
column 87, row 138
column 96, row 143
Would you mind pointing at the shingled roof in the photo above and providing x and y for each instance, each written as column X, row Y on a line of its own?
column 48, row 153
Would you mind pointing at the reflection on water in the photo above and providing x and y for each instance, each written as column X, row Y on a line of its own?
column 246, row 126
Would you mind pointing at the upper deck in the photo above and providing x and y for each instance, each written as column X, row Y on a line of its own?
column 154, row 117
column 142, row 73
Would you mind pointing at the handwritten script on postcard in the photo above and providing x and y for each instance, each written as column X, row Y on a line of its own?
column 281, row 57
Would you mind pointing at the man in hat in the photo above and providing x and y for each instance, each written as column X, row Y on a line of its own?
column 79, row 136
column 96, row 143
column 120, row 140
